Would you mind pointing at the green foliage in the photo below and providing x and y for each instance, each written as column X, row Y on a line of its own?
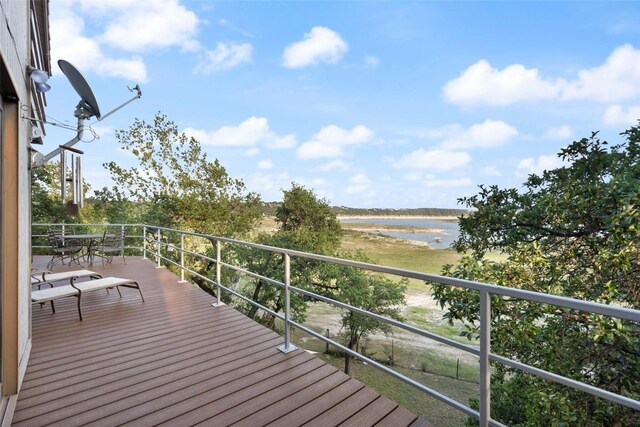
column 372, row 292
column 46, row 206
column 309, row 218
column 572, row 231
column 305, row 224
column 176, row 184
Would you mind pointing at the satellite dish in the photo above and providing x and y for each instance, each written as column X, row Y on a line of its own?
column 86, row 108
column 88, row 102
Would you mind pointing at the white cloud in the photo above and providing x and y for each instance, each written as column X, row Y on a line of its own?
column 250, row 133
column 371, row 61
column 491, row 171
column 358, row 183
column 532, row 165
column 437, row 160
column 265, row 164
column 252, row 152
column 438, row 133
column 321, row 44
column 433, row 182
column 335, row 165
column 331, row 141
column 69, row 43
column 224, row 57
column 483, row 84
column 269, row 185
column 617, row 79
column 558, row 133
column 279, row 142
column 140, row 25
column 490, row 133
column 616, row 115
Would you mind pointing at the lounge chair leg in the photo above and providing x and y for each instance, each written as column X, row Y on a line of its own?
column 118, row 289
column 53, row 307
column 140, row 290
column 79, row 304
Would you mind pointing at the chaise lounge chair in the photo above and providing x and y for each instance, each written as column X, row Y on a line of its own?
column 47, row 277
column 81, row 288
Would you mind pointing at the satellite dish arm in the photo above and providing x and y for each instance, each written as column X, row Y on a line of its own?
column 39, row 161
column 44, row 159
column 137, row 96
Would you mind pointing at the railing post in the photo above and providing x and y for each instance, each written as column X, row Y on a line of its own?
column 485, row 367
column 122, row 234
column 144, row 242
column 158, row 249
column 287, row 347
column 218, row 302
column 182, row 259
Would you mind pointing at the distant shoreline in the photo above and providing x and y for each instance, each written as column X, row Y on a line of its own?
column 439, row 218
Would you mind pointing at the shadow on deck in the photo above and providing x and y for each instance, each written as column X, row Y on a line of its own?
column 176, row 360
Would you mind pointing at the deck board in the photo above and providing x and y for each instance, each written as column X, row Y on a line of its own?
column 177, row 360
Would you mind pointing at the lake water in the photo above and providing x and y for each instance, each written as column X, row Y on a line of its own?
column 448, row 230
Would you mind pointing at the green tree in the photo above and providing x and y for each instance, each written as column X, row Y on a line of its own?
column 46, row 206
column 571, row 231
column 177, row 184
column 368, row 291
column 306, row 224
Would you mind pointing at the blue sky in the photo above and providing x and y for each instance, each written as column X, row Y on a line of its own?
column 371, row 104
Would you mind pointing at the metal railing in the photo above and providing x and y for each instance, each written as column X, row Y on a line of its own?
column 153, row 243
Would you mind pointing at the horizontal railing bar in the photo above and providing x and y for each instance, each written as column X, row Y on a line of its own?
column 399, row 376
column 454, row 282
column 593, row 307
column 392, row 322
column 578, row 385
column 391, row 372
column 252, row 274
column 250, row 301
column 73, row 224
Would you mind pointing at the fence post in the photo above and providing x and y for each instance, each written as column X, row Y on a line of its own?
column 182, row 259
column 218, row 302
column 158, row 249
column 485, row 367
column 287, row 347
column 326, row 344
column 144, row 242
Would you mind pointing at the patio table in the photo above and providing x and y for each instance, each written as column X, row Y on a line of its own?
column 92, row 240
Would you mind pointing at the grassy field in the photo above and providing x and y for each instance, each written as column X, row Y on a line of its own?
column 398, row 252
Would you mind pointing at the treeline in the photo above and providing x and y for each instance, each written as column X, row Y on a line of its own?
column 270, row 209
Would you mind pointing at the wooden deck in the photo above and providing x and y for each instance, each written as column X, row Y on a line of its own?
column 176, row 360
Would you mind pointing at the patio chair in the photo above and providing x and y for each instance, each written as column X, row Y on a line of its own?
column 64, row 248
column 112, row 244
column 58, row 230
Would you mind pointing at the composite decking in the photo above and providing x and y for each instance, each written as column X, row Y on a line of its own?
column 176, row 360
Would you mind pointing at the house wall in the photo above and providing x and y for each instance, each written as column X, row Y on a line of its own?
column 17, row 26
